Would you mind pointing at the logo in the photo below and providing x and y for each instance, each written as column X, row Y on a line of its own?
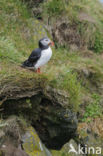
column 85, row 150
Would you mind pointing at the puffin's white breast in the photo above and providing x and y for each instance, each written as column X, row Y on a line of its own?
column 45, row 57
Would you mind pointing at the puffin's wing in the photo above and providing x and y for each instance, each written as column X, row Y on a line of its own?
column 33, row 58
column 35, row 55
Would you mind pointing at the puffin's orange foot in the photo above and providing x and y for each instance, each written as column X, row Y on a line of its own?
column 38, row 71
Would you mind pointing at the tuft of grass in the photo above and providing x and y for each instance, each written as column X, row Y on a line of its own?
column 54, row 8
column 68, row 81
column 93, row 110
column 98, row 43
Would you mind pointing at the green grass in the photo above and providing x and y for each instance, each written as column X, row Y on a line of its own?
column 98, row 44
column 93, row 110
column 68, row 81
column 8, row 51
column 54, row 8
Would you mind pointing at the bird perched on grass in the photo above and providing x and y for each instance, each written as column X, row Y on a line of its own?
column 39, row 56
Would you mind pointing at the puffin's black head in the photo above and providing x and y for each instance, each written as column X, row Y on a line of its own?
column 45, row 42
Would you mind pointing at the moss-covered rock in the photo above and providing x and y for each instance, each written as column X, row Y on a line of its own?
column 19, row 139
column 33, row 145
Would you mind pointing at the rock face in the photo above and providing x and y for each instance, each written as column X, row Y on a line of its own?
column 18, row 139
column 47, row 111
column 10, row 150
column 90, row 138
column 88, row 144
column 69, row 149
column 33, row 145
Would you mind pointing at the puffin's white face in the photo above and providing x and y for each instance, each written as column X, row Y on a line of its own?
column 46, row 42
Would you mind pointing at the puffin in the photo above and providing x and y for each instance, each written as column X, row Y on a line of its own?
column 39, row 56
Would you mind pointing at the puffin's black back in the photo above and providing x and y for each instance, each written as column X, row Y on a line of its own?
column 33, row 58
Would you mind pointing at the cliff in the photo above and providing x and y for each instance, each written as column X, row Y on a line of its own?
column 64, row 103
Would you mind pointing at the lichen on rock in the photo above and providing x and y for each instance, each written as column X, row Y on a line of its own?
column 19, row 139
column 32, row 144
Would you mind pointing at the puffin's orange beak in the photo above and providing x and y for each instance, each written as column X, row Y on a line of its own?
column 52, row 43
